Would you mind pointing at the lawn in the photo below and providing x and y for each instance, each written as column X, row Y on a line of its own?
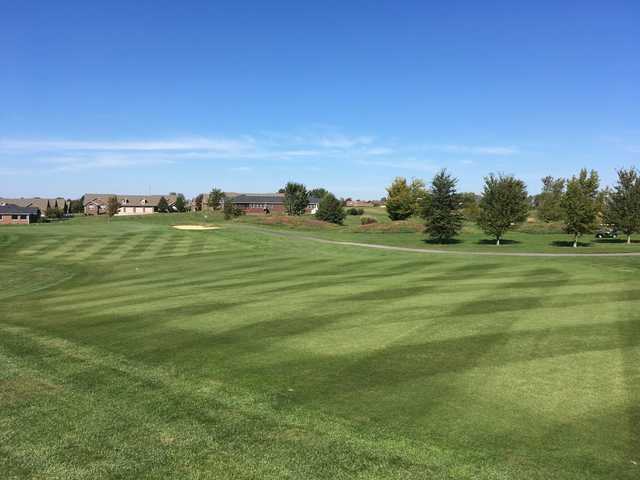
column 129, row 349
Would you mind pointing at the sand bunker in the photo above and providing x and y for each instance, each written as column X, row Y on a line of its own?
column 195, row 227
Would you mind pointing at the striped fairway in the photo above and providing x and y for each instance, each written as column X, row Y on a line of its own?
column 134, row 350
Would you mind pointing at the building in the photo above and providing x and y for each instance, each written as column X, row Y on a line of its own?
column 96, row 203
column 268, row 203
column 42, row 204
column 205, row 199
column 14, row 214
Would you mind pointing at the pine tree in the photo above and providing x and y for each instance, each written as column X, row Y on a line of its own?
column 163, row 205
column 331, row 210
column 623, row 203
column 580, row 204
column 504, row 204
column 442, row 208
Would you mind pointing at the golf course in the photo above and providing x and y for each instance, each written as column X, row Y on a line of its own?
column 131, row 349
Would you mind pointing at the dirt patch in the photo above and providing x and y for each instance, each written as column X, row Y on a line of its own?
column 196, row 227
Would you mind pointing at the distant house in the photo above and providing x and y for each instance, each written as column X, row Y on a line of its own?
column 268, row 203
column 42, row 204
column 96, row 203
column 14, row 214
column 205, row 199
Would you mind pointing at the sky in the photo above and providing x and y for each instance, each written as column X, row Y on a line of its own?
column 161, row 96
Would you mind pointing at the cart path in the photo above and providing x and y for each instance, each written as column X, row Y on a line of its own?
column 433, row 250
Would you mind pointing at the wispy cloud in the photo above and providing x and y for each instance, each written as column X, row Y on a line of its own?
column 475, row 149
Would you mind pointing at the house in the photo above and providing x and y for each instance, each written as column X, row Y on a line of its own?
column 268, row 203
column 205, row 199
column 13, row 214
column 96, row 203
column 42, row 204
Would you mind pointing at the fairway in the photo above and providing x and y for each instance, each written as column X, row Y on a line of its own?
column 131, row 349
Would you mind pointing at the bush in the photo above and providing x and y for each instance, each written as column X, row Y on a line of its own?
column 330, row 210
column 355, row 211
column 367, row 220
column 230, row 210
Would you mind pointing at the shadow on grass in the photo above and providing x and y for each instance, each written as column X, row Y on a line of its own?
column 569, row 243
column 616, row 241
column 451, row 241
column 503, row 241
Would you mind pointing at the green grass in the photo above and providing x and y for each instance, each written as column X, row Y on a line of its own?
column 133, row 350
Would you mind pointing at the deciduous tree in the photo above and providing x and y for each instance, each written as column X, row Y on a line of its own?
column 331, row 210
column 400, row 200
column 181, row 203
column 549, row 201
column 216, row 197
column 296, row 198
column 623, row 203
column 113, row 205
column 503, row 205
column 580, row 203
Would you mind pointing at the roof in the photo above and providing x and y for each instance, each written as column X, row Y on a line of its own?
column 37, row 202
column 10, row 209
column 274, row 198
column 128, row 200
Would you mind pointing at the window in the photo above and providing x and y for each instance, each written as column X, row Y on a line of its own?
column 23, row 217
column 14, row 217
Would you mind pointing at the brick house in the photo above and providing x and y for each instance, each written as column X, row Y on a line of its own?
column 42, row 204
column 96, row 203
column 14, row 214
column 268, row 203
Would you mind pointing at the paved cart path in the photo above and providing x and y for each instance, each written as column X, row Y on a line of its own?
column 437, row 251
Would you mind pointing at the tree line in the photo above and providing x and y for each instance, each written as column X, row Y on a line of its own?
column 504, row 203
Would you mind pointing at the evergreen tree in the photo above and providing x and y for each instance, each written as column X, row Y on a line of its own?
column 400, row 202
column 504, row 204
column 623, row 203
column 331, row 210
column 549, row 201
column 442, row 208
column 163, row 205
column 216, row 197
column 580, row 203
column 296, row 198
column 198, row 201
column 181, row 203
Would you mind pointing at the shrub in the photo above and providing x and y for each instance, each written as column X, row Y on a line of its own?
column 367, row 220
column 330, row 210
column 355, row 211
column 230, row 210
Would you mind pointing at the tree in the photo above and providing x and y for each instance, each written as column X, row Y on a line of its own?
column 623, row 203
column 418, row 193
column 198, row 202
column 163, row 205
column 181, row 203
column 470, row 206
column 580, row 203
column 400, row 201
column 296, row 198
column 442, row 210
column 216, row 197
column 503, row 205
column 76, row 206
column 330, row 209
column 113, row 205
column 549, row 201
column 318, row 193
column 231, row 210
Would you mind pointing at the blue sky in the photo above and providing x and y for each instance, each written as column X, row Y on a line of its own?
column 132, row 97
